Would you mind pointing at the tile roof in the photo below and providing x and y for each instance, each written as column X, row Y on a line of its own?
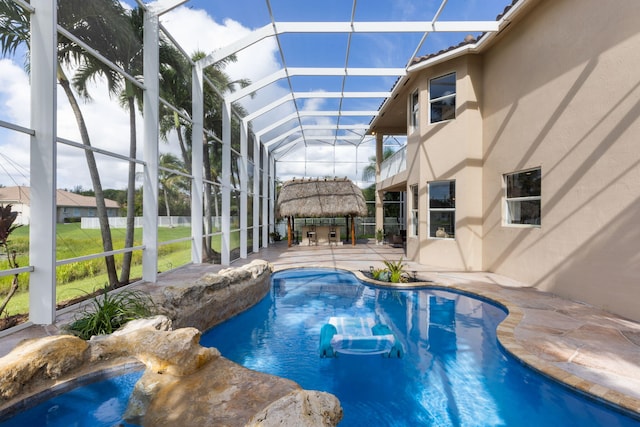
column 21, row 194
column 467, row 40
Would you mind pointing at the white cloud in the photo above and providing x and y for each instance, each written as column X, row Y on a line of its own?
column 14, row 108
column 196, row 30
column 14, row 89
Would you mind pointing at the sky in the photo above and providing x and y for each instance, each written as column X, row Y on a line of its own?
column 207, row 25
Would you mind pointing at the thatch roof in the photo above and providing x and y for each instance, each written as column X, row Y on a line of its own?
column 320, row 198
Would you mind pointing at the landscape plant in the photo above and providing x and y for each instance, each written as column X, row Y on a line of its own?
column 379, row 235
column 381, row 274
column 396, row 271
column 110, row 311
column 7, row 226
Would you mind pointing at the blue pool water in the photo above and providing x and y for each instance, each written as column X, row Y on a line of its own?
column 453, row 372
column 99, row 404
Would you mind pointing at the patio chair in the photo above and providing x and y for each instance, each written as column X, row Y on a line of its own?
column 312, row 237
column 333, row 236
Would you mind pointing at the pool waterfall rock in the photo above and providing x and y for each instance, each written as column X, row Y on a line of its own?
column 184, row 383
column 176, row 353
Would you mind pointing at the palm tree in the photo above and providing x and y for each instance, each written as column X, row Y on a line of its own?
column 88, row 19
column 7, row 226
column 169, row 181
column 14, row 27
column 177, row 90
column 125, row 48
column 105, row 26
column 369, row 172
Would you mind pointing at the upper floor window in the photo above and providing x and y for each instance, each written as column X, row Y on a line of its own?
column 442, row 209
column 442, row 98
column 414, row 109
column 414, row 210
column 522, row 197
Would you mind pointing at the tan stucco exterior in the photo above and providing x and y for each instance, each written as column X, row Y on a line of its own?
column 558, row 89
column 449, row 150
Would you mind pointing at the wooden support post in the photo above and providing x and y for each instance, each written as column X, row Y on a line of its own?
column 353, row 231
column 289, row 231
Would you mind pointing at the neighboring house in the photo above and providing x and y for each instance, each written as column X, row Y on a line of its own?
column 525, row 151
column 69, row 206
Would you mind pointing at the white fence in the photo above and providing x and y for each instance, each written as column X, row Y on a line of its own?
column 121, row 222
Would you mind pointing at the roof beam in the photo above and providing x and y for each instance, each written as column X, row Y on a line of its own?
column 305, row 127
column 316, row 94
column 235, row 47
column 347, row 27
column 386, row 27
column 282, row 136
column 313, row 71
column 259, row 133
column 292, row 116
column 336, row 127
column 284, row 145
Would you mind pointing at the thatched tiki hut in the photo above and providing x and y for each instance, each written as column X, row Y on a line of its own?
column 320, row 198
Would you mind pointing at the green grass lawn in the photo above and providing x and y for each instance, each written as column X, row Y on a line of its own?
column 81, row 278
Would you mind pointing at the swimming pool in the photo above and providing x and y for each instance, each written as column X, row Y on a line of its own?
column 98, row 404
column 453, row 372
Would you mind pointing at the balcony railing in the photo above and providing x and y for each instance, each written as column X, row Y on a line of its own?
column 394, row 165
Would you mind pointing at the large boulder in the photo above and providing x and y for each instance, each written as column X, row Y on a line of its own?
column 300, row 408
column 215, row 297
column 223, row 393
column 39, row 360
column 176, row 352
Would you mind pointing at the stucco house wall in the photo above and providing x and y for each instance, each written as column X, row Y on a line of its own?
column 562, row 92
column 449, row 150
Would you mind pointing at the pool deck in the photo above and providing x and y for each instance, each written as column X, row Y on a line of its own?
column 587, row 348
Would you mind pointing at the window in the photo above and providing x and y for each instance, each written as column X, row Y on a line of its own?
column 522, row 197
column 414, row 210
column 442, row 209
column 414, row 108
column 442, row 98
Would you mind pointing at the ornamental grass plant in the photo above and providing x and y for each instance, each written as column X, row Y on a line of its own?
column 110, row 311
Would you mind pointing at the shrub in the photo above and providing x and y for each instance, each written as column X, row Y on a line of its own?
column 7, row 226
column 396, row 271
column 275, row 236
column 110, row 311
column 380, row 274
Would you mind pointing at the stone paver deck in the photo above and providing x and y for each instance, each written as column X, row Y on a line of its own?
column 587, row 348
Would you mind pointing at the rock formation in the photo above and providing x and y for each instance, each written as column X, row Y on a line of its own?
column 214, row 297
column 39, row 360
column 184, row 384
